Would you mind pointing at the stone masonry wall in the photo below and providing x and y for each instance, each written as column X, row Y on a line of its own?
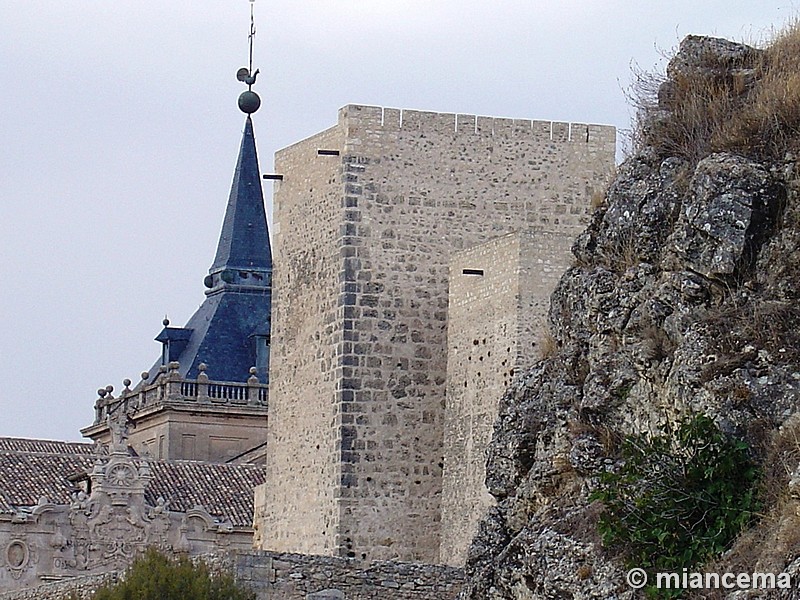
column 296, row 509
column 413, row 188
column 497, row 321
column 294, row 577
column 82, row 587
column 277, row 576
column 199, row 433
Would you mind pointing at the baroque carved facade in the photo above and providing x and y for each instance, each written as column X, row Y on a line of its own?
column 112, row 515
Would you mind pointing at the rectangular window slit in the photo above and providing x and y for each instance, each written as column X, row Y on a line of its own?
column 472, row 272
column 328, row 152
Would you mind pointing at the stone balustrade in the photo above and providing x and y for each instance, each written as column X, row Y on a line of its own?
column 170, row 387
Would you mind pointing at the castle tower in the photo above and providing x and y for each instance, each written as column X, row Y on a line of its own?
column 506, row 282
column 366, row 220
column 206, row 398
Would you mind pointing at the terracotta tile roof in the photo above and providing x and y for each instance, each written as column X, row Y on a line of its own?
column 30, row 472
column 224, row 490
column 46, row 446
column 27, row 476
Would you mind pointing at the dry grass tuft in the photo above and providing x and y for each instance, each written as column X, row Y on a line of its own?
column 623, row 254
column 766, row 324
column 754, row 111
column 548, row 346
column 609, row 439
column 781, row 460
column 769, row 120
column 598, row 199
column 584, row 572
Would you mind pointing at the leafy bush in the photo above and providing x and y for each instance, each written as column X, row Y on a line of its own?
column 679, row 498
column 157, row 577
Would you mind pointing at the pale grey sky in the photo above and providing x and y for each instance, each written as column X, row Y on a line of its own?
column 120, row 130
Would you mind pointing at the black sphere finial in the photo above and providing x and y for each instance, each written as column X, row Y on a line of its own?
column 249, row 102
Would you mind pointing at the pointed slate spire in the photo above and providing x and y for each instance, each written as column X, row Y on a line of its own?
column 229, row 333
column 244, row 256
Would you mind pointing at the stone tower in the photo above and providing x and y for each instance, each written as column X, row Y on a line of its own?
column 505, row 282
column 206, row 397
column 366, row 220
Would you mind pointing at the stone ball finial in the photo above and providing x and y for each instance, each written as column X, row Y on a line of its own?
column 174, row 365
column 202, row 367
column 253, row 370
column 109, row 388
column 145, row 375
column 249, row 102
column 126, row 382
column 102, row 392
column 165, row 322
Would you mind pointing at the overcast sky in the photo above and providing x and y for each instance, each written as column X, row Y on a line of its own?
column 119, row 133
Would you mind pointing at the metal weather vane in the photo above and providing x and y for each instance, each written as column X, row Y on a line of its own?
column 249, row 100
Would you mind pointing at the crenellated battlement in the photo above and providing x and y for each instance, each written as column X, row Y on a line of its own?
column 356, row 118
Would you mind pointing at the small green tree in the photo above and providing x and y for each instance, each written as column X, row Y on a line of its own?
column 679, row 498
column 154, row 576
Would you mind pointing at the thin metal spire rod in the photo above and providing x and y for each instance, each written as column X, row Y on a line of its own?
column 251, row 36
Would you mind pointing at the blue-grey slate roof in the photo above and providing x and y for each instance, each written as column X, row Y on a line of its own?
column 239, row 301
column 244, row 241
column 221, row 330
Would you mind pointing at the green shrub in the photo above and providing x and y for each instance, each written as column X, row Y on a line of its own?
column 679, row 498
column 157, row 577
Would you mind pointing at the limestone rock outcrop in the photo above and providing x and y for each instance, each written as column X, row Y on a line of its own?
column 683, row 299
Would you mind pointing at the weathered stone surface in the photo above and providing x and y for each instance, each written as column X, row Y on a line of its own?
column 82, row 587
column 326, row 595
column 543, row 562
column 646, row 189
column 507, row 281
column 733, row 207
column 683, row 299
column 275, row 576
column 712, row 56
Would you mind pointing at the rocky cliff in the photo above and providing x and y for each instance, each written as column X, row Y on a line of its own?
column 683, row 299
